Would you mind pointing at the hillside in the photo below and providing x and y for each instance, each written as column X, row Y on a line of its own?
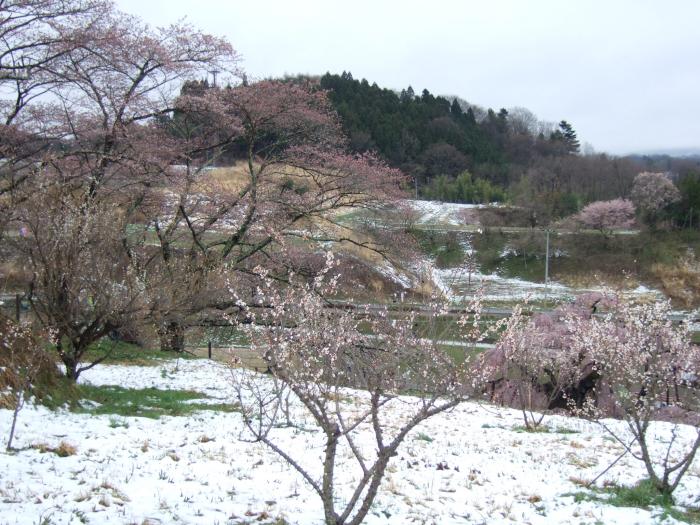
column 473, row 247
column 457, row 151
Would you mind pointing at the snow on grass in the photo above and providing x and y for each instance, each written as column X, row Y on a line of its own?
column 395, row 275
column 456, row 283
column 445, row 213
column 470, row 465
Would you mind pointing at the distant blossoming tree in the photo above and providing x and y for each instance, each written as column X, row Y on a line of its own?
column 652, row 193
column 607, row 216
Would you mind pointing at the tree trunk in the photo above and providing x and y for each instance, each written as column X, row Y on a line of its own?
column 18, row 406
column 69, row 359
column 328, row 477
column 382, row 462
column 71, row 369
column 172, row 336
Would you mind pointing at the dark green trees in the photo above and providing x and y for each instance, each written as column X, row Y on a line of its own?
column 567, row 135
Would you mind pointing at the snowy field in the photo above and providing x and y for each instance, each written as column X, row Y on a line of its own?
column 457, row 283
column 470, row 465
column 443, row 213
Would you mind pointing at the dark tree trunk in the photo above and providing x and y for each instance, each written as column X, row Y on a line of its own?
column 172, row 336
column 71, row 364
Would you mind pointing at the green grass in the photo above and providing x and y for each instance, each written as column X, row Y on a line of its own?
column 583, row 258
column 582, row 255
column 350, row 217
column 540, row 429
column 460, row 354
column 129, row 402
column 424, row 437
column 219, row 336
column 444, row 247
column 564, row 430
column 643, row 495
column 120, row 352
column 142, row 402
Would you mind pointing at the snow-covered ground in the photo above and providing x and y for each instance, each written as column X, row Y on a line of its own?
column 469, row 465
column 457, row 283
column 443, row 213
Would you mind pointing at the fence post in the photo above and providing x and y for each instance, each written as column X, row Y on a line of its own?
column 209, row 349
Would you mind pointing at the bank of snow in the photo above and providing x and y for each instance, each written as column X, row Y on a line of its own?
column 469, row 465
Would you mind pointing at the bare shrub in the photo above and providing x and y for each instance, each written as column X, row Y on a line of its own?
column 23, row 364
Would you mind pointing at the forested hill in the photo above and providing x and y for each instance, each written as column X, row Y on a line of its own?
column 461, row 152
column 429, row 135
column 455, row 151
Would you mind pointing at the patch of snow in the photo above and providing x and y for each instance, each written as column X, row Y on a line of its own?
column 474, row 468
column 434, row 212
column 389, row 271
column 458, row 283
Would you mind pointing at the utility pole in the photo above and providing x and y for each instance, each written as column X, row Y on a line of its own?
column 214, row 73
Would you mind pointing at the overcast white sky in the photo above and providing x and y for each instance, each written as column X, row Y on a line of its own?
column 625, row 73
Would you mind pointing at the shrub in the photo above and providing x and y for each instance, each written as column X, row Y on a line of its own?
column 25, row 368
column 650, row 369
column 318, row 354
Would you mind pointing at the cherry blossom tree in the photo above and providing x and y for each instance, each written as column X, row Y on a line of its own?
column 34, row 36
column 296, row 174
column 652, row 193
column 535, row 364
column 102, row 153
column 104, row 72
column 627, row 360
column 607, row 216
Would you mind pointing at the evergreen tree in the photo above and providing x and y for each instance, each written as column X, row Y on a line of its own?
column 568, row 137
